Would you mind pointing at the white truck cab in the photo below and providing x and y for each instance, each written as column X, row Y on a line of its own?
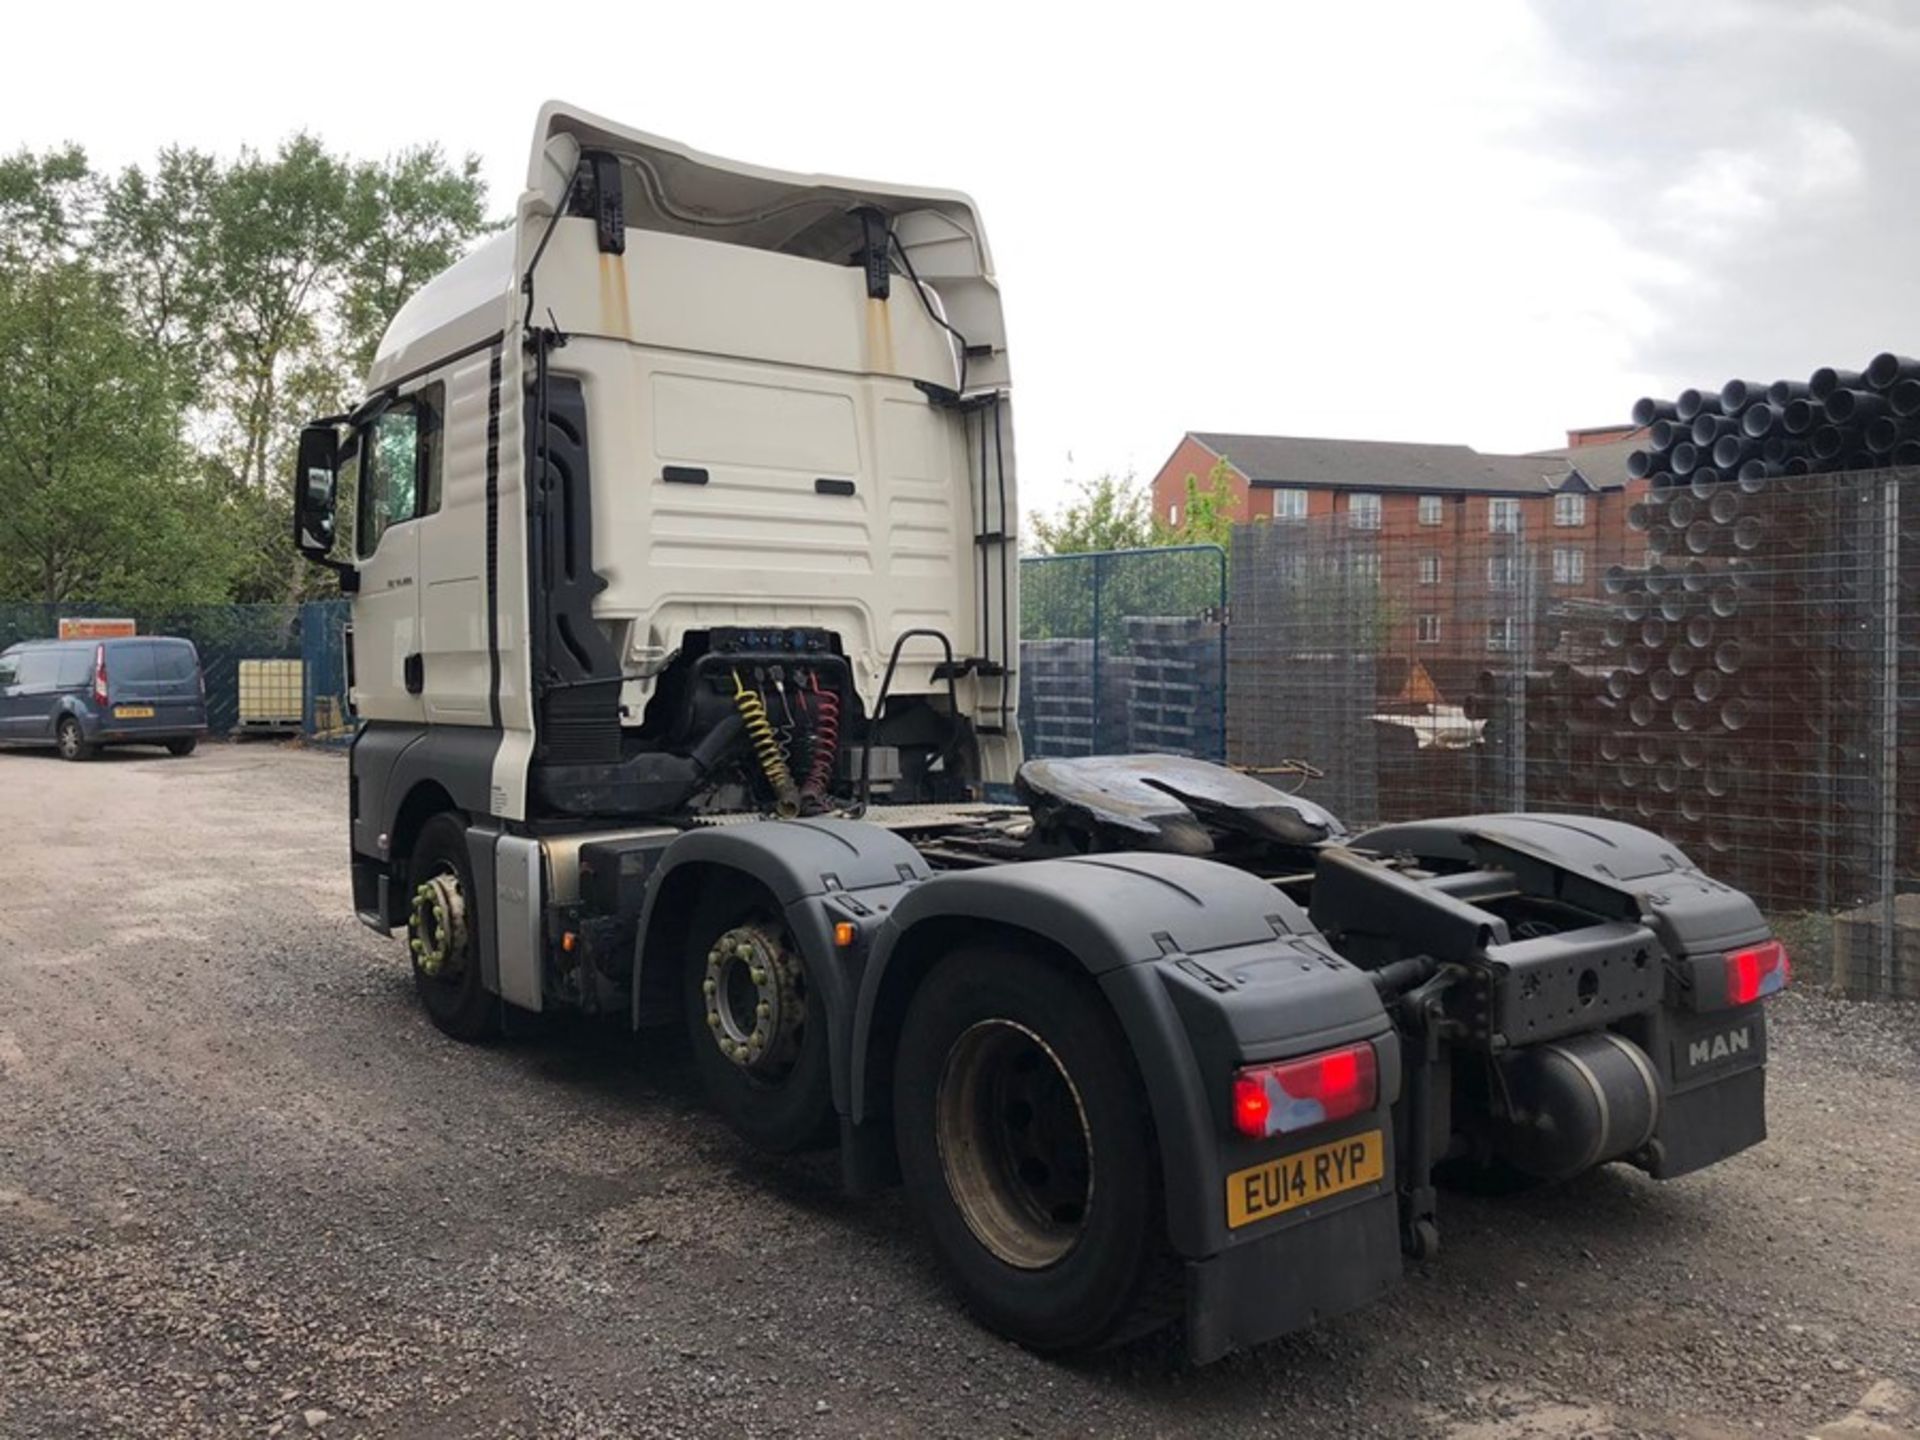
column 767, row 406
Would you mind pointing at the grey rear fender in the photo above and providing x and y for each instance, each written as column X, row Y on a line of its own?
column 1205, row 967
column 817, row 872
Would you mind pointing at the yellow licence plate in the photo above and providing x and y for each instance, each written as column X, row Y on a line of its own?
column 1263, row 1191
column 133, row 712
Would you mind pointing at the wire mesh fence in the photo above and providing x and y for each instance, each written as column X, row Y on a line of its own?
column 1733, row 665
column 232, row 639
column 1124, row 651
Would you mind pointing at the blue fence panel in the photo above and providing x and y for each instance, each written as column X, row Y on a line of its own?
column 1124, row 651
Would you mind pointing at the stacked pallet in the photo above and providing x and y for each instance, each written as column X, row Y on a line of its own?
column 1174, row 686
column 1058, row 708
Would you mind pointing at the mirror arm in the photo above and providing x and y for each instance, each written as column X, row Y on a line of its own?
column 344, row 570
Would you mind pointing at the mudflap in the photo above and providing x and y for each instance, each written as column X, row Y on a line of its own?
column 1319, row 1267
column 1713, row 1068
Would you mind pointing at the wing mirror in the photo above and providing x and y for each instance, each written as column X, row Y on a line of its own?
column 316, row 491
column 316, row 500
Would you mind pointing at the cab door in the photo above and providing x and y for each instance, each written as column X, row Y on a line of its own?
column 394, row 457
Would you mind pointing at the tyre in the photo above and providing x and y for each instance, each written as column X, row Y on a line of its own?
column 1028, row 1152
column 443, row 927
column 182, row 747
column 759, row 1036
column 71, row 740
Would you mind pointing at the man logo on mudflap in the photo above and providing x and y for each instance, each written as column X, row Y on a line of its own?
column 1723, row 1046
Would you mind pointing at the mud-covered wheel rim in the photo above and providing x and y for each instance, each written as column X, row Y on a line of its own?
column 69, row 738
column 754, row 991
column 437, row 927
column 1014, row 1144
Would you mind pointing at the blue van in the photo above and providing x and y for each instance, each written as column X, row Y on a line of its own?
column 78, row 695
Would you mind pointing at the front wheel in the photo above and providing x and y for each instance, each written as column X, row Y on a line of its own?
column 1028, row 1152
column 443, row 926
column 72, row 740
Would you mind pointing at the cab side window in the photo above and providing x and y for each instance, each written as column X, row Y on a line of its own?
column 400, row 466
column 9, row 669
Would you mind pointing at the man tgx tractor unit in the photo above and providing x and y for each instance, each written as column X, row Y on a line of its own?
column 684, row 584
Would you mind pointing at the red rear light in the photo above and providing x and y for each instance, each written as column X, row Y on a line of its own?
column 99, row 674
column 1251, row 1107
column 1757, row 971
column 1295, row 1095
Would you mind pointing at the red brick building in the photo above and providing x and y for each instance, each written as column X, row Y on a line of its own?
column 1443, row 524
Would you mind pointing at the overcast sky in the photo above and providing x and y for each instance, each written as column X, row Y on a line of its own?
column 1479, row 222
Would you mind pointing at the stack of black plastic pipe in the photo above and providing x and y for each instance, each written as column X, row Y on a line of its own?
column 1835, row 420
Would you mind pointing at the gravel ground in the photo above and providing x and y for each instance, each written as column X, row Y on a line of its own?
column 245, row 1189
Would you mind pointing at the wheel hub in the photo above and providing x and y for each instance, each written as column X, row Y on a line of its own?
column 437, row 928
column 755, row 993
column 1014, row 1144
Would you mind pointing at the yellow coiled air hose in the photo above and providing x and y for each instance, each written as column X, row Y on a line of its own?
column 766, row 747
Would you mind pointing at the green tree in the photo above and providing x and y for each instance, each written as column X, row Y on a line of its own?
column 167, row 329
column 94, row 499
column 46, row 204
column 156, row 236
column 411, row 216
column 1206, row 515
column 1112, row 512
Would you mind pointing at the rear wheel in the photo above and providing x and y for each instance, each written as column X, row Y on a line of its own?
column 1027, row 1149
column 72, row 740
column 182, row 747
column 758, row 1032
column 443, row 926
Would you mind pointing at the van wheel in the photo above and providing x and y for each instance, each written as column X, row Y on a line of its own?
column 72, row 740
column 182, row 747
column 443, row 929
column 1027, row 1148
column 758, row 1031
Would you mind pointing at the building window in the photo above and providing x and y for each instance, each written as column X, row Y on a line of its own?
column 1173, row 514
column 1569, row 508
column 1366, row 568
column 1500, row 572
column 1429, row 569
column 1569, row 565
column 1289, row 504
column 1427, row 629
column 1500, row 633
column 1503, row 516
column 1363, row 511
column 1429, row 509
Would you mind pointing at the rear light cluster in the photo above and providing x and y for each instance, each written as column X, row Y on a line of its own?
column 1294, row 1095
column 1757, row 971
column 99, row 674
